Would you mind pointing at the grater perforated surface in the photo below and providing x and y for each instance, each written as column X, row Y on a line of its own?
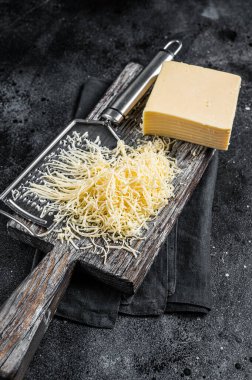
column 30, row 206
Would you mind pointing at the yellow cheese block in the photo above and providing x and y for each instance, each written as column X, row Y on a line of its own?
column 192, row 103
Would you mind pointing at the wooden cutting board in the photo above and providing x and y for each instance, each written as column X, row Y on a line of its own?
column 123, row 271
column 27, row 313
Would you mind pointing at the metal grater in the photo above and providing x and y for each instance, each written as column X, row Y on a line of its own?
column 31, row 206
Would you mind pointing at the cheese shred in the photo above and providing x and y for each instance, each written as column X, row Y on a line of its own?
column 110, row 194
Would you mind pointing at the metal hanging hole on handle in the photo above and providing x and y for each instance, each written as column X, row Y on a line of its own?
column 173, row 42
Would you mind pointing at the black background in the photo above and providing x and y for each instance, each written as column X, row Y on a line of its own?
column 48, row 49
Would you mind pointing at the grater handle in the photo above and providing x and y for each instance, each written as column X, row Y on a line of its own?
column 25, row 316
column 124, row 102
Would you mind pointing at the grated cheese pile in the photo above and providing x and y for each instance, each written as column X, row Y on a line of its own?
column 108, row 194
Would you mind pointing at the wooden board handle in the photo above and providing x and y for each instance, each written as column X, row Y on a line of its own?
column 25, row 316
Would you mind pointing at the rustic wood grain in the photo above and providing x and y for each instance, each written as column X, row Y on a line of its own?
column 122, row 270
column 25, row 316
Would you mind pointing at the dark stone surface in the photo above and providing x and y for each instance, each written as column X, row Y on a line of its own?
column 47, row 49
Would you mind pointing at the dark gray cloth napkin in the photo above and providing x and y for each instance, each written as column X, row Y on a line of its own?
column 179, row 279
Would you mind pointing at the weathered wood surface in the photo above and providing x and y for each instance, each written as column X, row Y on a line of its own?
column 122, row 270
column 26, row 315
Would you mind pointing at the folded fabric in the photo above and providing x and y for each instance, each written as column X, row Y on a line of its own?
column 193, row 266
column 179, row 279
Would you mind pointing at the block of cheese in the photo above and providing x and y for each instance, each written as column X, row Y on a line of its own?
column 192, row 103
